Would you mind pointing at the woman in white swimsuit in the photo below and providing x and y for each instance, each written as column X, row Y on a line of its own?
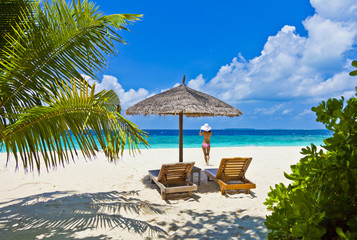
column 206, row 146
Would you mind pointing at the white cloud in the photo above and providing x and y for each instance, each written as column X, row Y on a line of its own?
column 269, row 111
column 127, row 98
column 327, row 42
column 339, row 10
column 292, row 66
column 197, row 83
column 165, row 89
column 306, row 112
column 286, row 111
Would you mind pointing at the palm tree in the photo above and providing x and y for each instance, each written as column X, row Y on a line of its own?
column 45, row 104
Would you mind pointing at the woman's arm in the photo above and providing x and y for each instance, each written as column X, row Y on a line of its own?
column 201, row 132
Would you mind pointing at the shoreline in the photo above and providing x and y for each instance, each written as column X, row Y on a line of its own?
column 59, row 194
column 3, row 153
column 246, row 146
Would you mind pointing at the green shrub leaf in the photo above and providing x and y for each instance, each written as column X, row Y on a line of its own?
column 320, row 202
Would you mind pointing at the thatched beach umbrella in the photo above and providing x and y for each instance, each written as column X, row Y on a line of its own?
column 183, row 100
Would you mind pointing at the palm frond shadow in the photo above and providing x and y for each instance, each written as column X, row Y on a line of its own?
column 62, row 214
column 211, row 225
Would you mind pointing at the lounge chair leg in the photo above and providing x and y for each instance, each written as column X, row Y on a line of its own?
column 152, row 182
column 163, row 196
column 190, row 193
column 199, row 178
column 248, row 191
column 222, row 191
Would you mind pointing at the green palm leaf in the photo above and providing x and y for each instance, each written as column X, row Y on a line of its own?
column 46, row 107
column 76, row 115
column 10, row 16
column 64, row 41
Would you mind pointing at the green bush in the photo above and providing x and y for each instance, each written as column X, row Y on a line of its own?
column 320, row 202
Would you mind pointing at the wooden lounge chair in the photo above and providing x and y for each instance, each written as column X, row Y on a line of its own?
column 230, row 174
column 172, row 178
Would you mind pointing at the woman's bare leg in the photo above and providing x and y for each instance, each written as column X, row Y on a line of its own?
column 208, row 150
column 204, row 153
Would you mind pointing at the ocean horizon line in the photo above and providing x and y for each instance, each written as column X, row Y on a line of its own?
column 169, row 138
column 233, row 137
column 278, row 129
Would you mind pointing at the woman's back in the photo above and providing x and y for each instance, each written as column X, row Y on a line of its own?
column 207, row 136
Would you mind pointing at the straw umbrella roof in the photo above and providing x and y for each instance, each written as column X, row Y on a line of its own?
column 184, row 100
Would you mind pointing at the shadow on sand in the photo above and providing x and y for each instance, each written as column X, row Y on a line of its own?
column 208, row 225
column 60, row 215
column 204, row 187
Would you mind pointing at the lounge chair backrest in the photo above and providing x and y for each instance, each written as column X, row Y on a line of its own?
column 233, row 168
column 175, row 173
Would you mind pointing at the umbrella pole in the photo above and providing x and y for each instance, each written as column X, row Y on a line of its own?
column 181, row 137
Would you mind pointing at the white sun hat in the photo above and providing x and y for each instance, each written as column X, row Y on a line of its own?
column 206, row 127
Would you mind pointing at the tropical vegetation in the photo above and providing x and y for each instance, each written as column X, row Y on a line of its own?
column 46, row 106
column 354, row 73
column 321, row 200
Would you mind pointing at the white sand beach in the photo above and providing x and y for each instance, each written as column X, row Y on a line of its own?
column 89, row 199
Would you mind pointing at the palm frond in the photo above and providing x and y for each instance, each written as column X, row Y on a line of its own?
column 77, row 115
column 57, row 42
column 11, row 15
column 42, row 119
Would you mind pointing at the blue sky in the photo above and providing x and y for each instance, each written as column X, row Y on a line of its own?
column 273, row 60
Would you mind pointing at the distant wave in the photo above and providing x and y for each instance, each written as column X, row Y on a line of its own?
column 169, row 138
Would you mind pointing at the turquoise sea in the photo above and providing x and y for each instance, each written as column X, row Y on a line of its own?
column 238, row 138
column 163, row 138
